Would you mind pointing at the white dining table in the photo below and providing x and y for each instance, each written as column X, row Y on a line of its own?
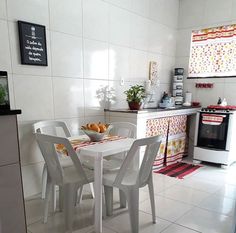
column 98, row 152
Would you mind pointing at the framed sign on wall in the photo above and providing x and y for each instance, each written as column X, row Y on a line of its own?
column 33, row 47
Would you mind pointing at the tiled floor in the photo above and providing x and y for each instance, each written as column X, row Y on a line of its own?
column 203, row 202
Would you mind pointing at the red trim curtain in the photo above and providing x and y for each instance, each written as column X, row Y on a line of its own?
column 213, row 52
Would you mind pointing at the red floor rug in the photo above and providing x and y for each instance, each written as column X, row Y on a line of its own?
column 178, row 170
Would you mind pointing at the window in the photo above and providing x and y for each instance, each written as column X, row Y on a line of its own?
column 213, row 52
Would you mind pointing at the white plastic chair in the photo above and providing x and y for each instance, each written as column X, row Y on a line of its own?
column 69, row 179
column 123, row 129
column 129, row 180
column 54, row 128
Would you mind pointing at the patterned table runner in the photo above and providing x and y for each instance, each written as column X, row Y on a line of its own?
column 79, row 143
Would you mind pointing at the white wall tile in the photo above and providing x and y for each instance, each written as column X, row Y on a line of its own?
column 33, row 94
column 17, row 67
column 139, row 65
column 183, row 42
column 95, row 19
column 95, row 90
column 139, row 32
column 162, row 39
column 66, row 55
column 166, row 69
column 191, row 13
column 217, row 11
column 31, row 176
column 119, row 100
column 3, row 10
column 68, row 97
column 169, row 41
column 5, row 58
column 229, row 92
column 233, row 10
column 99, row 118
column 73, row 124
column 119, row 26
column 29, row 150
column 28, row 10
column 95, row 59
column 119, row 62
column 127, row 4
column 66, row 17
column 156, row 38
column 165, row 12
column 141, row 7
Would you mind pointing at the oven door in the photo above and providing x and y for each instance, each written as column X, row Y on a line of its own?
column 212, row 131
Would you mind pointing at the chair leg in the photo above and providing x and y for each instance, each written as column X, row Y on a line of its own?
column 46, row 201
column 54, row 198
column 152, row 199
column 122, row 199
column 133, row 206
column 92, row 189
column 44, row 181
column 61, row 198
column 69, row 196
column 80, row 192
column 109, row 200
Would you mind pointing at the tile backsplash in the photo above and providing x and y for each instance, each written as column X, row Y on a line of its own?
column 92, row 45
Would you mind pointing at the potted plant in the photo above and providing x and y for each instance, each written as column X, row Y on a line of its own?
column 135, row 96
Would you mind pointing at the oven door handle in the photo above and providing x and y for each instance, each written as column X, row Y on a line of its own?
column 229, row 133
column 196, row 129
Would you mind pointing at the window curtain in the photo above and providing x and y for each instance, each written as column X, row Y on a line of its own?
column 213, row 52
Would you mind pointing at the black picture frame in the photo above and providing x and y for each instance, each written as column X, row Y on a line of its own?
column 33, row 46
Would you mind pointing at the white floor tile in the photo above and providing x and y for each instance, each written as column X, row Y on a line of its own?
column 34, row 210
column 227, row 191
column 184, row 194
column 222, row 205
column 206, row 221
column 174, row 228
column 167, row 209
column 200, row 184
column 121, row 223
column 162, row 182
column 83, row 220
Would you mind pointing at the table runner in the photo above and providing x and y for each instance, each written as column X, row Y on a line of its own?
column 79, row 143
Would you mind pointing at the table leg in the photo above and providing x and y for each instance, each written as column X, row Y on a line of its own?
column 98, row 167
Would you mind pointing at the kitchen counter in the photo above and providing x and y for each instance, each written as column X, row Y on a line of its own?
column 4, row 112
column 143, row 118
column 153, row 112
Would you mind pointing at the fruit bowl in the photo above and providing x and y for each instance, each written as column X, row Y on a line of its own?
column 93, row 135
column 96, row 132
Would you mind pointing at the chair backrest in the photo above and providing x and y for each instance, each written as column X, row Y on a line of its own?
column 151, row 145
column 54, row 128
column 124, row 129
column 56, row 173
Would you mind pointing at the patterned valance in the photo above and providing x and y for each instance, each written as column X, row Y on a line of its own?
column 213, row 52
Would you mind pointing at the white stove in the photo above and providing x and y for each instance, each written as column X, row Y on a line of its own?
column 215, row 135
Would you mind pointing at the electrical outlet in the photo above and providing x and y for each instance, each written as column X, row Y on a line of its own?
column 122, row 82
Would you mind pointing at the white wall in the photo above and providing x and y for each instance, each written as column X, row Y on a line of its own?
column 198, row 15
column 91, row 44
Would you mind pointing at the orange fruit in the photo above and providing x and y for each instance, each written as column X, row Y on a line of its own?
column 94, row 127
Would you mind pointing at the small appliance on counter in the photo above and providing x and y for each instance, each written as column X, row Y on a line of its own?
column 215, row 135
column 187, row 99
column 166, row 101
column 178, row 86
